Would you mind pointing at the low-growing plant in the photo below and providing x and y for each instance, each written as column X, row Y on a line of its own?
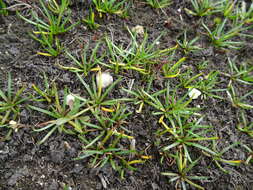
column 67, row 117
column 10, row 102
column 250, row 154
column 55, row 7
column 112, row 7
column 47, row 94
column 241, row 73
column 203, row 7
column 140, row 95
column 11, row 127
column 181, row 176
column 237, row 100
column 222, row 38
column 172, row 71
column 218, row 156
column 167, row 104
column 56, row 21
column 104, row 148
column 90, row 20
column 53, row 22
column 205, row 83
column 96, row 96
column 244, row 125
column 181, row 132
column 188, row 45
column 10, row 106
column 139, row 57
column 245, row 16
column 226, row 7
column 86, row 62
column 51, row 44
column 158, row 4
column 202, row 65
column 239, row 12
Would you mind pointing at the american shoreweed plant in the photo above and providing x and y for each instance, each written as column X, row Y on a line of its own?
column 205, row 83
column 182, row 176
column 140, row 57
column 106, row 146
column 181, row 132
column 167, row 104
column 139, row 96
column 222, row 38
column 218, row 159
column 238, row 12
column 86, row 62
column 90, row 20
column 227, row 8
column 112, row 7
column 47, row 94
column 249, row 154
column 49, row 42
column 243, row 14
column 241, row 73
column 237, row 100
column 244, row 125
column 188, row 45
column 203, row 7
column 56, row 21
column 10, row 106
column 105, row 132
column 172, row 70
column 65, row 118
column 237, row 75
column 158, row 4
column 96, row 96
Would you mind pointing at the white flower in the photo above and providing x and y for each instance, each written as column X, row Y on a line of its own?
column 138, row 30
column 194, row 93
column 105, row 78
column 13, row 123
column 70, row 100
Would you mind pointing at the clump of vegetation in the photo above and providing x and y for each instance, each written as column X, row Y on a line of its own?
column 10, row 107
column 111, row 7
column 158, row 4
column 183, row 168
column 54, row 20
column 203, row 7
column 138, row 56
column 176, row 83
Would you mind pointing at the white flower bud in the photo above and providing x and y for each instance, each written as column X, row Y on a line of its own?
column 70, row 100
column 105, row 78
column 138, row 30
column 194, row 93
column 13, row 123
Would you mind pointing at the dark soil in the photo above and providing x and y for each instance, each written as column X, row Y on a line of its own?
column 24, row 165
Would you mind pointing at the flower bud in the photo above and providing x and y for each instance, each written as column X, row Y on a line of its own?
column 194, row 93
column 70, row 100
column 104, row 79
column 138, row 30
column 12, row 123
